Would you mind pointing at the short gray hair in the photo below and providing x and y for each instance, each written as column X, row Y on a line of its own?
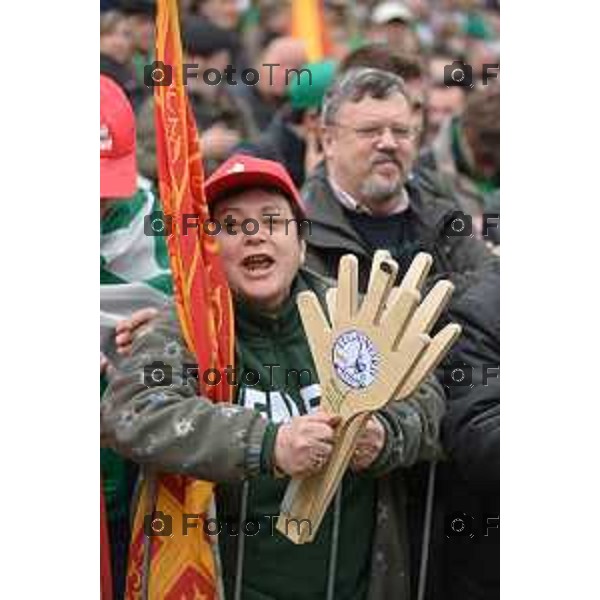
column 355, row 84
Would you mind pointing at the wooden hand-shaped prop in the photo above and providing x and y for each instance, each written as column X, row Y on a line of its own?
column 365, row 357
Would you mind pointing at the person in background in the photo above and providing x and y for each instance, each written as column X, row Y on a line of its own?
column 391, row 24
column 341, row 26
column 134, row 274
column 116, row 37
column 408, row 66
column 223, row 119
column 363, row 198
column 464, row 548
column 465, row 158
column 481, row 47
column 262, row 23
column 141, row 15
column 470, row 480
column 134, row 265
column 269, row 94
column 292, row 138
column 416, row 84
column 116, row 53
column 222, row 13
column 226, row 15
column 437, row 60
column 443, row 102
column 276, row 19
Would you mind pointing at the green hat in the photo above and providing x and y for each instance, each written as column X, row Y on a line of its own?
column 307, row 91
column 477, row 27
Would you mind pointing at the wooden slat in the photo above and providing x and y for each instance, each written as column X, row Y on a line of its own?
column 417, row 272
column 309, row 498
column 397, row 315
column 347, row 294
column 430, row 309
column 398, row 328
column 317, row 331
column 428, row 363
column 331, row 301
column 383, row 276
column 335, row 470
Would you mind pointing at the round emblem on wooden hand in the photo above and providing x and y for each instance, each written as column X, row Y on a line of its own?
column 355, row 359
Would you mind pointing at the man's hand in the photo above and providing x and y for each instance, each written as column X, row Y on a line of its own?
column 303, row 446
column 126, row 329
column 369, row 446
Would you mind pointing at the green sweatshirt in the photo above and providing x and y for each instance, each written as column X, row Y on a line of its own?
column 276, row 348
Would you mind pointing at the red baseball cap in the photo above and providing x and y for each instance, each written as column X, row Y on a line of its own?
column 118, row 168
column 243, row 171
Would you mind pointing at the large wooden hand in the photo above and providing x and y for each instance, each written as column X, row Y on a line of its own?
column 365, row 356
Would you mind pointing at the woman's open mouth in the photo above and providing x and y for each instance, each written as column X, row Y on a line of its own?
column 257, row 264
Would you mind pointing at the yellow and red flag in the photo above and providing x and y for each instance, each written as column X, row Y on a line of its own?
column 308, row 24
column 179, row 566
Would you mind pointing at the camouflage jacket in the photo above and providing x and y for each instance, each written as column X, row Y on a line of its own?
column 172, row 429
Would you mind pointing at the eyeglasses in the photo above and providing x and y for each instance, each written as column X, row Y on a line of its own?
column 400, row 133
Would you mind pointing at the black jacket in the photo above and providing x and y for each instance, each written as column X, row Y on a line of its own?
column 280, row 143
column 467, row 490
column 471, row 438
column 124, row 75
column 471, row 430
column 263, row 109
column 331, row 235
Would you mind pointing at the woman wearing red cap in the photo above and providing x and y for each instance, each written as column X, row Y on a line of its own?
column 274, row 426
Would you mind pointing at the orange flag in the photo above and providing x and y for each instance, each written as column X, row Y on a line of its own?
column 308, row 24
column 182, row 566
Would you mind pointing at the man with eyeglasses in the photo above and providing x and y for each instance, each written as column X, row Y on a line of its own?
column 409, row 67
column 363, row 197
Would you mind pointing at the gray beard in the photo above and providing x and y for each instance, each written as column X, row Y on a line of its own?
column 378, row 192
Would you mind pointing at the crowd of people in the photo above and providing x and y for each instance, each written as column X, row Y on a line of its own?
column 392, row 143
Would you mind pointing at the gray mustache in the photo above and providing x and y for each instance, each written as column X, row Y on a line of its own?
column 384, row 159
